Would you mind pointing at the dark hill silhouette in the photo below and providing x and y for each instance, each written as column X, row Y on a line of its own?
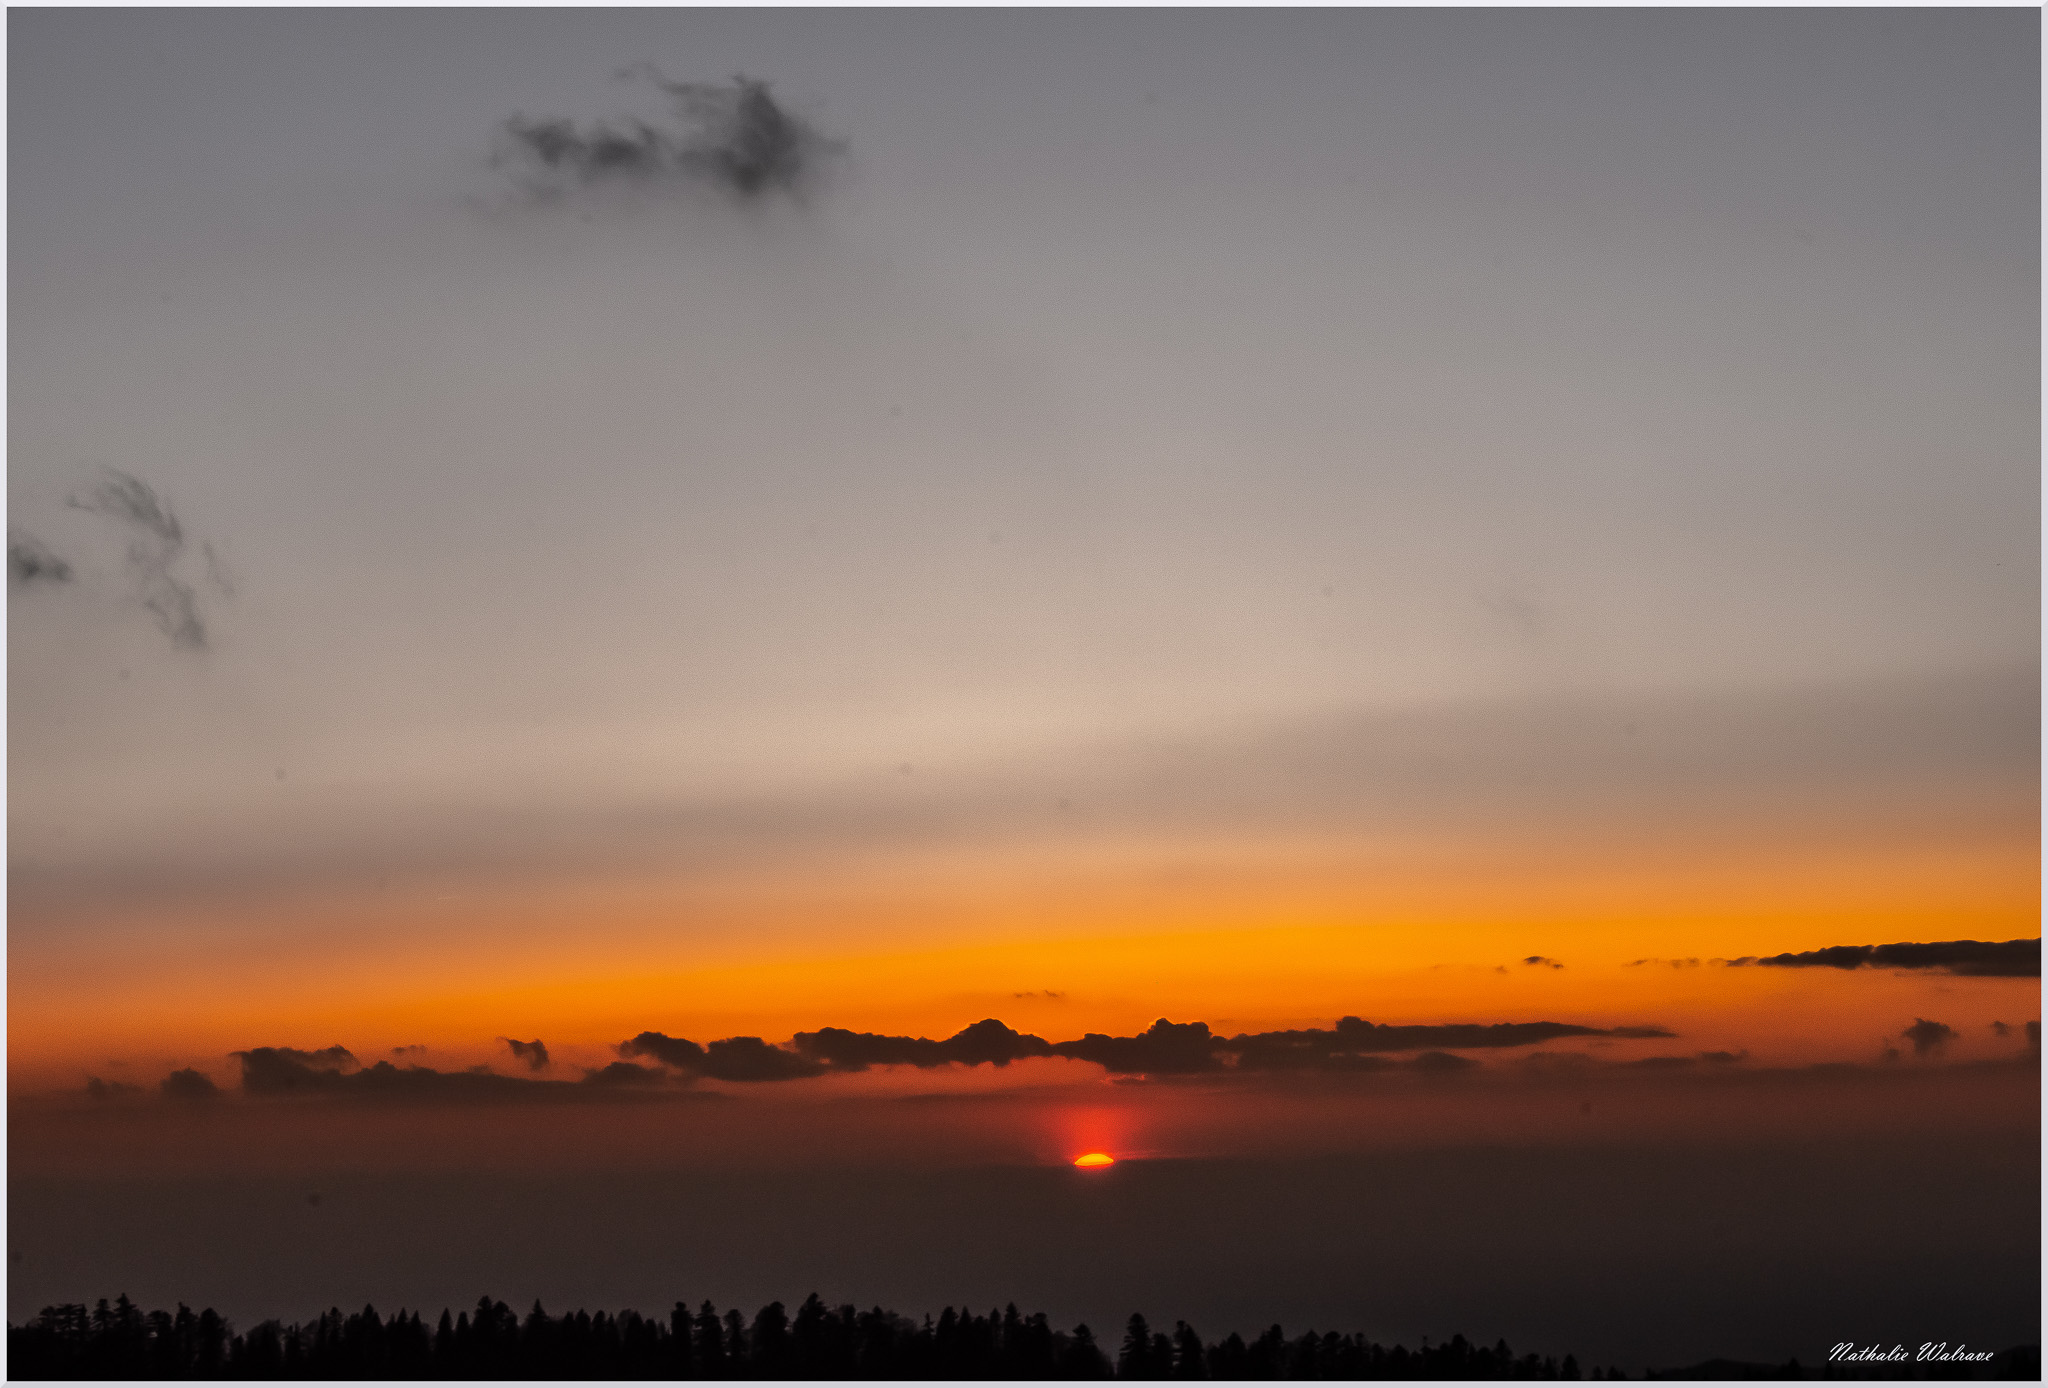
column 120, row 1341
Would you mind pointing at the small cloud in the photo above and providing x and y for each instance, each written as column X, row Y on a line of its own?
column 1724, row 1057
column 532, row 1052
column 732, row 137
column 672, row 1051
column 408, row 1050
column 109, row 1089
column 29, row 562
column 157, row 540
column 1928, row 1038
column 1540, row 961
column 189, row 1084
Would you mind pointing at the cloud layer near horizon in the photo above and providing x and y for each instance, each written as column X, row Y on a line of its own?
column 1165, row 1048
column 1966, row 958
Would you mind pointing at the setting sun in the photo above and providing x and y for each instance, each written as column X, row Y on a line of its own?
column 1095, row 1159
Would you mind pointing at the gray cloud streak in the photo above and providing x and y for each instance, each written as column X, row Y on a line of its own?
column 30, row 561
column 158, row 540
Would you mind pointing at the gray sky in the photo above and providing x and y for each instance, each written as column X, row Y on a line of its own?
column 1168, row 375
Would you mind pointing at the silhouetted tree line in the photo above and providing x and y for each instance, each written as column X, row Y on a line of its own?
column 493, row 1341
column 819, row 1342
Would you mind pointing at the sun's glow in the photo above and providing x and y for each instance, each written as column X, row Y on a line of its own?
column 1095, row 1159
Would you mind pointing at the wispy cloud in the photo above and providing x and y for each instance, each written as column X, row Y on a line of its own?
column 733, row 137
column 156, row 540
column 30, row 561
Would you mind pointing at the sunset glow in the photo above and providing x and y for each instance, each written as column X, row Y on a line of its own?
column 664, row 654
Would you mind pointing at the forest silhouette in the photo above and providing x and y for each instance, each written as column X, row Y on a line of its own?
column 120, row 1341
column 819, row 1342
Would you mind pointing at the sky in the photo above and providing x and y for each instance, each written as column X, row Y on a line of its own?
column 575, row 525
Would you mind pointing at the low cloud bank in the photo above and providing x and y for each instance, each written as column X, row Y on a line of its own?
column 1968, row 958
column 272, row 1071
column 1164, row 1048
column 656, row 1063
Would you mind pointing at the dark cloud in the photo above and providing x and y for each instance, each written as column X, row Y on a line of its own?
column 532, row 1052
column 734, row 137
column 1927, row 1037
column 408, row 1050
column 1164, row 1048
column 109, row 1089
column 749, row 1059
column 741, row 1059
column 985, row 1042
column 1542, row 962
column 29, row 561
column 1969, row 958
column 671, row 1051
column 2034, row 1034
column 989, row 1041
column 189, row 1084
column 1724, row 1057
column 1184, row 1048
column 285, row 1070
column 156, row 542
